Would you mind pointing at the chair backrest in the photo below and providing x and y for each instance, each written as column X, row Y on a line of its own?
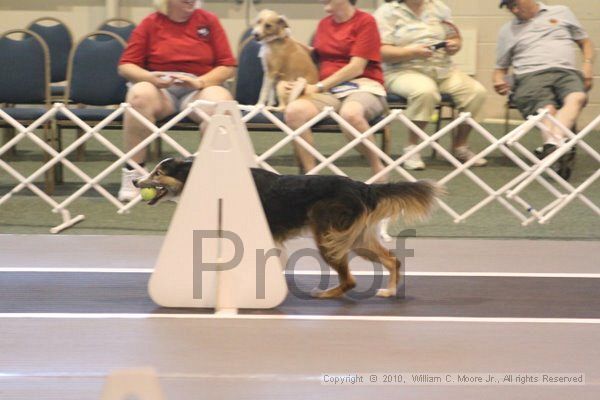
column 24, row 68
column 120, row 26
column 92, row 72
column 59, row 40
column 249, row 73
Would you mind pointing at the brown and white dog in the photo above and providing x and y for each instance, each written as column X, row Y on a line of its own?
column 341, row 213
column 284, row 59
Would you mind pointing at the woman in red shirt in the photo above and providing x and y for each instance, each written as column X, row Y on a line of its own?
column 176, row 55
column 347, row 45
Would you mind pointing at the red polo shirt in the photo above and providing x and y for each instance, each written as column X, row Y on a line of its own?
column 335, row 43
column 195, row 46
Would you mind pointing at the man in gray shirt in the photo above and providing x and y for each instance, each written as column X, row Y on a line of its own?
column 539, row 46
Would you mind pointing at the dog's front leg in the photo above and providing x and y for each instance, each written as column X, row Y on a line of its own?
column 265, row 90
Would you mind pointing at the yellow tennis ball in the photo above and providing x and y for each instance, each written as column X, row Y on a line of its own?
column 148, row 193
column 435, row 117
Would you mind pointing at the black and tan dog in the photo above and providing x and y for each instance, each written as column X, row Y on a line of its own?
column 341, row 213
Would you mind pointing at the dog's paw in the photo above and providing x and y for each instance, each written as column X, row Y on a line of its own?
column 327, row 294
column 385, row 293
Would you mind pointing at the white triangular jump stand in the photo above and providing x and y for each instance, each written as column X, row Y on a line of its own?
column 129, row 384
column 209, row 255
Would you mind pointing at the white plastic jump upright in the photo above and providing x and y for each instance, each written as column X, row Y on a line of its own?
column 216, row 251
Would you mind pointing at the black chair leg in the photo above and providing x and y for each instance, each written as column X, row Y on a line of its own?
column 7, row 134
column 80, row 152
column 49, row 176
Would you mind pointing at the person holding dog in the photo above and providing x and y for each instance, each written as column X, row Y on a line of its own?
column 346, row 44
column 176, row 55
column 418, row 67
column 538, row 45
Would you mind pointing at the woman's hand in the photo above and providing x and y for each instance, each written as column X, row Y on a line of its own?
column 161, row 80
column 187, row 81
column 452, row 46
column 501, row 87
column 420, row 50
column 311, row 89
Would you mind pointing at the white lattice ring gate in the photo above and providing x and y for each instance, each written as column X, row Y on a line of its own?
column 508, row 195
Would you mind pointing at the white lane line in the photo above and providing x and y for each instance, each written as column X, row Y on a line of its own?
column 309, row 273
column 80, row 270
column 166, row 376
column 270, row 317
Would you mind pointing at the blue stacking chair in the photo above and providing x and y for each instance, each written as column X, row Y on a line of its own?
column 60, row 41
column 120, row 26
column 25, row 80
column 93, row 81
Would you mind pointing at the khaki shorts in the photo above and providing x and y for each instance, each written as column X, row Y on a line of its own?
column 536, row 90
column 374, row 105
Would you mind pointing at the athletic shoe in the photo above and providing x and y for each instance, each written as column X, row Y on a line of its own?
column 413, row 162
column 464, row 154
column 564, row 165
column 128, row 192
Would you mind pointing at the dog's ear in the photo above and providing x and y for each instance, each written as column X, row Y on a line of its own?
column 283, row 21
column 183, row 169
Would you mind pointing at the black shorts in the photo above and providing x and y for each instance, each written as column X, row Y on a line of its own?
column 539, row 89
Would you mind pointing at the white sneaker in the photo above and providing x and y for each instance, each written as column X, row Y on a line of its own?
column 128, row 192
column 464, row 154
column 413, row 162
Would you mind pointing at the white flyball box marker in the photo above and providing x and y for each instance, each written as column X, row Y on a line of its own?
column 218, row 251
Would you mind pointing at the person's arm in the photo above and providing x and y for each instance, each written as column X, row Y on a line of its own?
column 134, row 73
column 134, row 58
column 363, row 50
column 499, row 80
column 214, row 77
column 355, row 67
column 395, row 54
column 587, row 67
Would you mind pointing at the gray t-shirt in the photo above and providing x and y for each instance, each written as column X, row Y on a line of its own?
column 545, row 41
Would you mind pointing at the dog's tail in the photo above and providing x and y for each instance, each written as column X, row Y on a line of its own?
column 414, row 201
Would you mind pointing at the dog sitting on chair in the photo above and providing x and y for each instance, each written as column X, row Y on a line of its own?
column 341, row 213
column 283, row 58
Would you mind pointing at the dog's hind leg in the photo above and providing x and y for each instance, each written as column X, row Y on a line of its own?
column 336, row 224
column 372, row 250
column 346, row 280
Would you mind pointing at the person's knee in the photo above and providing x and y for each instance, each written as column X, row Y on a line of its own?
column 551, row 108
column 577, row 99
column 295, row 114
column 479, row 92
column 354, row 115
column 215, row 93
column 142, row 96
column 426, row 94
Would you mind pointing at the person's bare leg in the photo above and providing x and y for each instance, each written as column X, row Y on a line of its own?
column 153, row 104
column 548, row 133
column 568, row 114
column 297, row 113
column 354, row 113
column 461, row 136
column 211, row 93
column 413, row 138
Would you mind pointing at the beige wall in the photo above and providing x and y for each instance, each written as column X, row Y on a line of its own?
column 83, row 16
